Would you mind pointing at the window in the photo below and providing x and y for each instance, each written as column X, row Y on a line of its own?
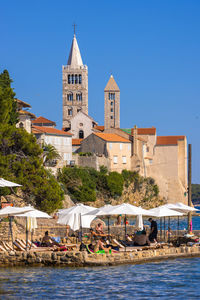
column 72, row 79
column 150, row 161
column 111, row 109
column 70, row 112
column 110, row 146
column 111, row 117
column 79, row 97
column 21, row 125
column 76, row 79
column 111, row 103
column 115, row 159
column 70, row 97
column 78, row 109
column 120, row 146
column 81, row 134
column 111, row 96
column 147, row 149
column 69, row 79
column 80, row 79
column 124, row 159
column 81, row 124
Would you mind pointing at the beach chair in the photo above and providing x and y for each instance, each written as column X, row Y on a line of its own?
column 18, row 246
column 2, row 248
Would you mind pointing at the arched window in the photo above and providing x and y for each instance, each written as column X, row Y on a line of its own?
column 21, row 125
column 76, row 79
column 72, row 79
column 79, row 97
column 80, row 79
column 70, row 97
column 78, row 109
column 69, row 79
column 111, row 96
column 70, row 112
column 81, row 134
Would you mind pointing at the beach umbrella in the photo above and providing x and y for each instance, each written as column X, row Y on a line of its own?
column 6, row 183
column 10, row 211
column 31, row 222
column 139, row 223
column 74, row 217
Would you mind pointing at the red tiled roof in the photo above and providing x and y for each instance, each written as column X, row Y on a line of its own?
column 24, row 104
column 50, row 130
column 111, row 137
column 145, row 131
column 76, row 142
column 42, row 120
column 169, row 140
column 98, row 127
column 24, row 112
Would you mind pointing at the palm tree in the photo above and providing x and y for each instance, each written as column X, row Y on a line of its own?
column 50, row 153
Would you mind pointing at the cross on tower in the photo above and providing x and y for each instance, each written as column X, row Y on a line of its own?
column 74, row 25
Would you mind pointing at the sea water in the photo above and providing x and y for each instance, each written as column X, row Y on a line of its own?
column 170, row 279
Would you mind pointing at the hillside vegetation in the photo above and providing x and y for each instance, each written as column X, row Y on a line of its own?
column 196, row 193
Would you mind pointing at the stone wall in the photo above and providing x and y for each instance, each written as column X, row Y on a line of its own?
column 78, row 259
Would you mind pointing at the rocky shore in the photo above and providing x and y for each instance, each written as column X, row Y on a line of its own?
column 82, row 259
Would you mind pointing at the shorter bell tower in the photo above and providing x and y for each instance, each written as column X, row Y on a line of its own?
column 111, row 104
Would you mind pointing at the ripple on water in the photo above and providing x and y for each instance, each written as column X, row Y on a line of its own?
column 164, row 280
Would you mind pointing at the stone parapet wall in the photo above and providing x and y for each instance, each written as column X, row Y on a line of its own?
column 80, row 259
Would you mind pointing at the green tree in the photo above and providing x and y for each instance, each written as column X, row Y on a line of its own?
column 49, row 153
column 115, row 183
column 8, row 105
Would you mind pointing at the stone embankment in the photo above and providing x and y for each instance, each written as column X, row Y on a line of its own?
column 81, row 259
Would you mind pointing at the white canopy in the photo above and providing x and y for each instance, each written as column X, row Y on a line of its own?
column 12, row 211
column 34, row 213
column 123, row 209
column 163, row 211
column 139, row 223
column 180, row 207
column 6, row 183
column 73, row 216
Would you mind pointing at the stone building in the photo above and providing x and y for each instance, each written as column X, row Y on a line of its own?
column 82, row 125
column 25, row 117
column 60, row 139
column 115, row 148
column 75, row 85
column 111, row 104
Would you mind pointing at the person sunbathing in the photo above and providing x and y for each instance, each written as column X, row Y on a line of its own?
column 47, row 241
column 141, row 239
column 98, row 239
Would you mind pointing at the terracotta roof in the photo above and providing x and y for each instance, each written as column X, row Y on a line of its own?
column 42, row 120
column 111, row 85
column 24, row 104
column 98, row 127
column 76, row 142
column 169, row 140
column 49, row 130
column 24, row 112
column 146, row 131
column 111, row 137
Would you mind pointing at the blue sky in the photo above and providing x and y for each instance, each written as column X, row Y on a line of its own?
column 151, row 47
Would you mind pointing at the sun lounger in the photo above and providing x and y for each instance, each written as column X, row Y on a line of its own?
column 2, row 248
column 118, row 244
column 18, row 246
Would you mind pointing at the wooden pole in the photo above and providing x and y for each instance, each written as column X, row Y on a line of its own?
column 189, row 183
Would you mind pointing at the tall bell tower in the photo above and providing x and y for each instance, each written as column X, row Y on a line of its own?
column 111, row 104
column 75, row 85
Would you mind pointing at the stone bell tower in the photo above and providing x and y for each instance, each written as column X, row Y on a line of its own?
column 75, row 85
column 111, row 104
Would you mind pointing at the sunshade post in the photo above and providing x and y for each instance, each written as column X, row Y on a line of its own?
column 11, row 232
column 109, row 228
column 160, row 228
column 164, row 229
column 26, row 233
column 125, row 232
column 168, row 230
column 80, row 229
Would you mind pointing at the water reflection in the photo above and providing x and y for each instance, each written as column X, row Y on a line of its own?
column 166, row 280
